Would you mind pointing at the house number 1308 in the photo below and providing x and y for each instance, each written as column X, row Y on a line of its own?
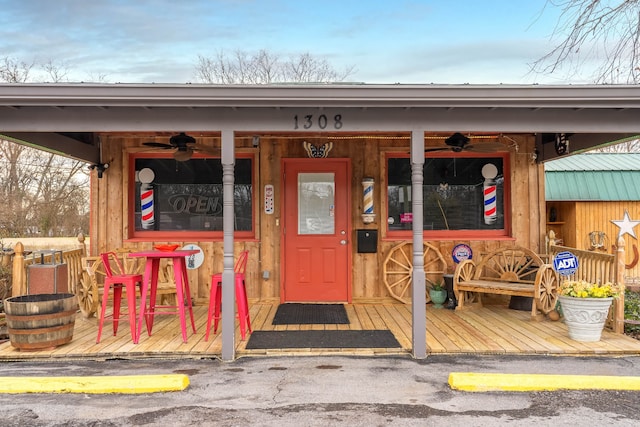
column 308, row 121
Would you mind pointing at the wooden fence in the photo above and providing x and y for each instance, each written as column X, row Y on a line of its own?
column 599, row 267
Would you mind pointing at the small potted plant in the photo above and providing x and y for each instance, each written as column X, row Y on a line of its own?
column 585, row 307
column 437, row 293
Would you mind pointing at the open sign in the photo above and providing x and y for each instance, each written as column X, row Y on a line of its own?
column 565, row 263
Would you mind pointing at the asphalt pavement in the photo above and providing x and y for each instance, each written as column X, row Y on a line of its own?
column 325, row 391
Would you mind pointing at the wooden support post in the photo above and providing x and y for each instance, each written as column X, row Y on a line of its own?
column 618, row 314
column 83, row 246
column 19, row 281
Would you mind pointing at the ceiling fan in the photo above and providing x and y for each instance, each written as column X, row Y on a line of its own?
column 184, row 146
column 458, row 143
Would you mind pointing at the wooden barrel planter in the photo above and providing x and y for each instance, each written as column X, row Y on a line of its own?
column 40, row 321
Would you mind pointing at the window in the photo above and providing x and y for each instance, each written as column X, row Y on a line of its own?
column 173, row 198
column 463, row 194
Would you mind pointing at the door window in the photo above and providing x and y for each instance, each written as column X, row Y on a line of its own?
column 316, row 203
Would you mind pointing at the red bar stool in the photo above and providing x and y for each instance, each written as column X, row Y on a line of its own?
column 117, row 282
column 215, row 298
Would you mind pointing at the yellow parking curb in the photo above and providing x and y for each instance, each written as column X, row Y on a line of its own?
column 469, row 381
column 130, row 384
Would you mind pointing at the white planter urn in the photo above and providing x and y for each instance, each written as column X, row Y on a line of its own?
column 585, row 317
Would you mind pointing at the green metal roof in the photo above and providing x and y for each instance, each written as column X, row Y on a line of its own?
column 594, row 177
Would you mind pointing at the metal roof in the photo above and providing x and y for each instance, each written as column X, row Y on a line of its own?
column 593, row 177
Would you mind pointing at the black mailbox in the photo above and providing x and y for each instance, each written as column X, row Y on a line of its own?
column 367, row 241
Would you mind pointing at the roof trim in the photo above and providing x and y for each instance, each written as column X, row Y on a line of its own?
column 342, row 95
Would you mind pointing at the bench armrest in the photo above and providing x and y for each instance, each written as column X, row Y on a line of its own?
column 465, row 270
column 546, row 288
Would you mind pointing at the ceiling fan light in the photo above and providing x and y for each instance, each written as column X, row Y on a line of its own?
column 183, row 155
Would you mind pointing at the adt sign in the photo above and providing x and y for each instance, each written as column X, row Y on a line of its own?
column 565, row 263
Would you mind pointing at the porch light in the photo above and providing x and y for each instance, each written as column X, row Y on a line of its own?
column 100, row 167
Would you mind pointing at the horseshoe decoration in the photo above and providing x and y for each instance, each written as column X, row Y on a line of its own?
column 636, row 257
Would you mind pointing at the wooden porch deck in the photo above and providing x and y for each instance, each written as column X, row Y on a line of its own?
column 490, row 330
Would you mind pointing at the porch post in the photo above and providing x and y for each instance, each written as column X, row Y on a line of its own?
column 228, row 294
column 418, row 297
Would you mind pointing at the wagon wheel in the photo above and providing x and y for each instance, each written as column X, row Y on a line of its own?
column 87, row 294
column 547, row 290
column 513, row 264
column 398, row 269
column 87, row 288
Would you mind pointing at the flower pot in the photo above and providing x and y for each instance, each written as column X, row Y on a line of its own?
column 585, row 317
column 448, row 281
column 438, row 297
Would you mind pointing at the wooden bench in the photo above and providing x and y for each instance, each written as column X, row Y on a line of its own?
column 513, row 271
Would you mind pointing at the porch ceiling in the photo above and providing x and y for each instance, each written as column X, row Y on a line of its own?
column 64, row 117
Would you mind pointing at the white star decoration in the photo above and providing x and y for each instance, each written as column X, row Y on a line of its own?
column 626, row 225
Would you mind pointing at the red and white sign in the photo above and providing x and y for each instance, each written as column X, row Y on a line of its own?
column 406, row 217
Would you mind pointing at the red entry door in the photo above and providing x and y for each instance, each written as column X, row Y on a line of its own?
column 316, row 231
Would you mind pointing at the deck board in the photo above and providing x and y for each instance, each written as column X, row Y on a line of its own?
column 487, row 330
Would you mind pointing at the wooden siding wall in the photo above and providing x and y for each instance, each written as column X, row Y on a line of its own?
column 109, row 197
column 578, row 219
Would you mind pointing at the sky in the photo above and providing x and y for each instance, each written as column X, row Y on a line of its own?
column 399, row 41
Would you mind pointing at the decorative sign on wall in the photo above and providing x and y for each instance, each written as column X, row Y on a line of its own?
column 626, row 225
column 194, row 261
column 317, row 151
column 268, row 199
column 461, row 252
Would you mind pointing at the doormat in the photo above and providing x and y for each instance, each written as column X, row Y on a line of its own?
column 379, row 338
column 310, row 314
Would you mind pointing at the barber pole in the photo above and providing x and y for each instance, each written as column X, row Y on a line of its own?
column 367, row 187
column 490, row 214
column 489, row 172
column 147, row 207
column 146, row 177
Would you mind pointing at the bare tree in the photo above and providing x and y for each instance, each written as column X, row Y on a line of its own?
column 14, row 71
column 603, row 32
column 41, row 192
column 96, row 77
column 632, row 146
column 56, row 71
column 265, row 67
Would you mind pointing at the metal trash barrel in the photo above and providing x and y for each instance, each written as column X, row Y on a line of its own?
column 49, row 276
column 40, row 321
